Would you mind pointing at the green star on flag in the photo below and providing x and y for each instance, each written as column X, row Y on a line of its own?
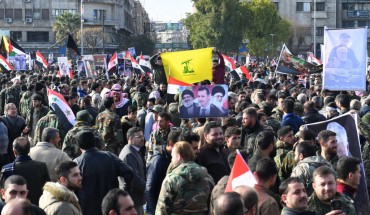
column 55, row 99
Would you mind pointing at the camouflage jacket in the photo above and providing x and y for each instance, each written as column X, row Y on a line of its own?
column 32, row 117
column 109, row 126
column 50, row 120
column 273, row 123
column 186, row 190
column 287, row 166
column 365, row 131
column 278, row 114
column 12, row 95
column 70, row 144
column 304, row 170
column 139, row 100
column 158, row 138
column 25, row 103
column 320, row 208
column 333, row 161
column 282, row 150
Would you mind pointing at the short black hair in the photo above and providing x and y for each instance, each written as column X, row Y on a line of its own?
column 95, row 86
column 288, row 106
column 265, row 138
column 265, row 169
column 208, row 126
column 165, row 115
column 131, row 109
column 173, row 136
column 109, row 101
column 232, row 131
column 63, row 169
column 132, row 131
column 344, row 100
column 325, row 135
column 307, row 135
column 232, row 156
column 190, row 137
column 110, row 201
column 346, row 165
column 306, row 148
column 251, row 112
column 14, row 179
column 204, row 88
column 86, row 139
column 21, row 149
column 284, row 130
column 285, row 184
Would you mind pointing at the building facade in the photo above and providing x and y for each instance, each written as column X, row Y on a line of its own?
column 30, row 21
column 170, row 36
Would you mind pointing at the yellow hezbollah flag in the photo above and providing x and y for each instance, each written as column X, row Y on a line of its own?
column 189, row 66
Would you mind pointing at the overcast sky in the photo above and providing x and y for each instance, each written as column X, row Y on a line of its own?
column 167, row 10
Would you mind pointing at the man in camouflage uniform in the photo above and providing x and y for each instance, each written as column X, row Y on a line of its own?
column 3, row 94
column 284, row 144
column 33, row 115
column 187, row 188
column 25, row 102
column 109, row 126
column 13, row 92
column 70, row 144
column 50, row 120
column 319, row 201
column 278, row 112
column 158, row 138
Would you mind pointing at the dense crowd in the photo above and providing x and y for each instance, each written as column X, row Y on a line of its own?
column 130, row 153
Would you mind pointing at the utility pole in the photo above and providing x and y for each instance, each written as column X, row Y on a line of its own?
column 103, row 31
column 82, row 26
column 272, row 45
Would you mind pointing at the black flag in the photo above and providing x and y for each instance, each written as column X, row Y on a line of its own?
column 72, row 45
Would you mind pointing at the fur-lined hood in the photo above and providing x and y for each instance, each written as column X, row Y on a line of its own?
column 54, row 192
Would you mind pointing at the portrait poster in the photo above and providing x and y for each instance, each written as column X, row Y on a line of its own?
column 291, row 64
column 63, row 66
column 81, row 69
column 19, row 61
column 345, row 127
column 90, row 66
column 345, row 59
column 203, row 101
column 100, row 60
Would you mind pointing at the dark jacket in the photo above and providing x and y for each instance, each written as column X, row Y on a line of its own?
column 218, row 72
column 313, row 116
column 100, row 172
column 135, row 160
column 293, row 121
column 290, row 211
column 126, row 125
column 35, row 172
column 159, row 73
column 215, row 162
column 94, row 112
column 156, row 172
column 14, row 131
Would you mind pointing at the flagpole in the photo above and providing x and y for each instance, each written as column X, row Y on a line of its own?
column 82, row 25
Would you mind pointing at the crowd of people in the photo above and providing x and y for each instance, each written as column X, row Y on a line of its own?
column 130, row 153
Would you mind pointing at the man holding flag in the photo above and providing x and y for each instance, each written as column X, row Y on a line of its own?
column 157, row 66
column 218, row 69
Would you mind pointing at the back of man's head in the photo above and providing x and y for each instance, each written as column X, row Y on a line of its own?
column 229, row 203
column 306, row 148
column 86, row 139
column 344, row 100
column 249, row 197
column 288, row 106
column 48, row 134
column 347, row 165
column 265, row 138
column 265, row 169
column 21, row 146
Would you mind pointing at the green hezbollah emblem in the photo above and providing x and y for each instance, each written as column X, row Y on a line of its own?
column 187, row 68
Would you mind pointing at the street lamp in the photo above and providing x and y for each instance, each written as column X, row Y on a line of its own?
column 272, row 45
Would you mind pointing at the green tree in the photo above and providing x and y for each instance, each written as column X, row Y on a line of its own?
column 142, row 44
column 263, row 21
column 93, row 39
column 64, row 24
column 217, row 23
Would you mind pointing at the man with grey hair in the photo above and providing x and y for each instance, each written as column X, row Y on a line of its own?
column 302, row 98
column 355, row 105
column 46, row 151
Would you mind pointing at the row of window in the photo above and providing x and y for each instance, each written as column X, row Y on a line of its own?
column 308, row 7
column 40, row 14
column 32, row 36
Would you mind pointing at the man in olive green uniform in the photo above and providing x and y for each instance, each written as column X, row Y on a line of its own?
column 70, row 144
column 325, row 190
column 109, row 126
column 50, row 120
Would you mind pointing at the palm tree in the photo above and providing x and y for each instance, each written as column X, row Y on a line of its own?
column 64, row 24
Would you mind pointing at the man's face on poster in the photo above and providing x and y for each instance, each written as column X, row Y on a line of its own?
column 187, row 100
column 218, row 97
column 287, row 57
column 342, row 53
column 203, row 98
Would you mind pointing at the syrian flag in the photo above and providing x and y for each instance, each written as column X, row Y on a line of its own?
column 41, row 59
column 174, row 85
column 5, row 63
column 61, row 108
column 229, row 62
column 113, row 61
column 145, row 65
column 136, row 65
column 243, row 70
column 241, row 174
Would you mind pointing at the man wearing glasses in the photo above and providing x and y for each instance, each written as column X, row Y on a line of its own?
column 131, row 156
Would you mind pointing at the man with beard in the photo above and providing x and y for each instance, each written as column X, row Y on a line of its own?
column 218, row 69
column 121, row 103
column 218, row 94
column 329, row 146
column 325, row 186
column 59, row 198
column 37, row 111
column 188, row 107
column 294, row 197
column 266, row 148
column 207, row 109
column 251, row 128
column 266, row 174
column 213, row 156
column 157, row 66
